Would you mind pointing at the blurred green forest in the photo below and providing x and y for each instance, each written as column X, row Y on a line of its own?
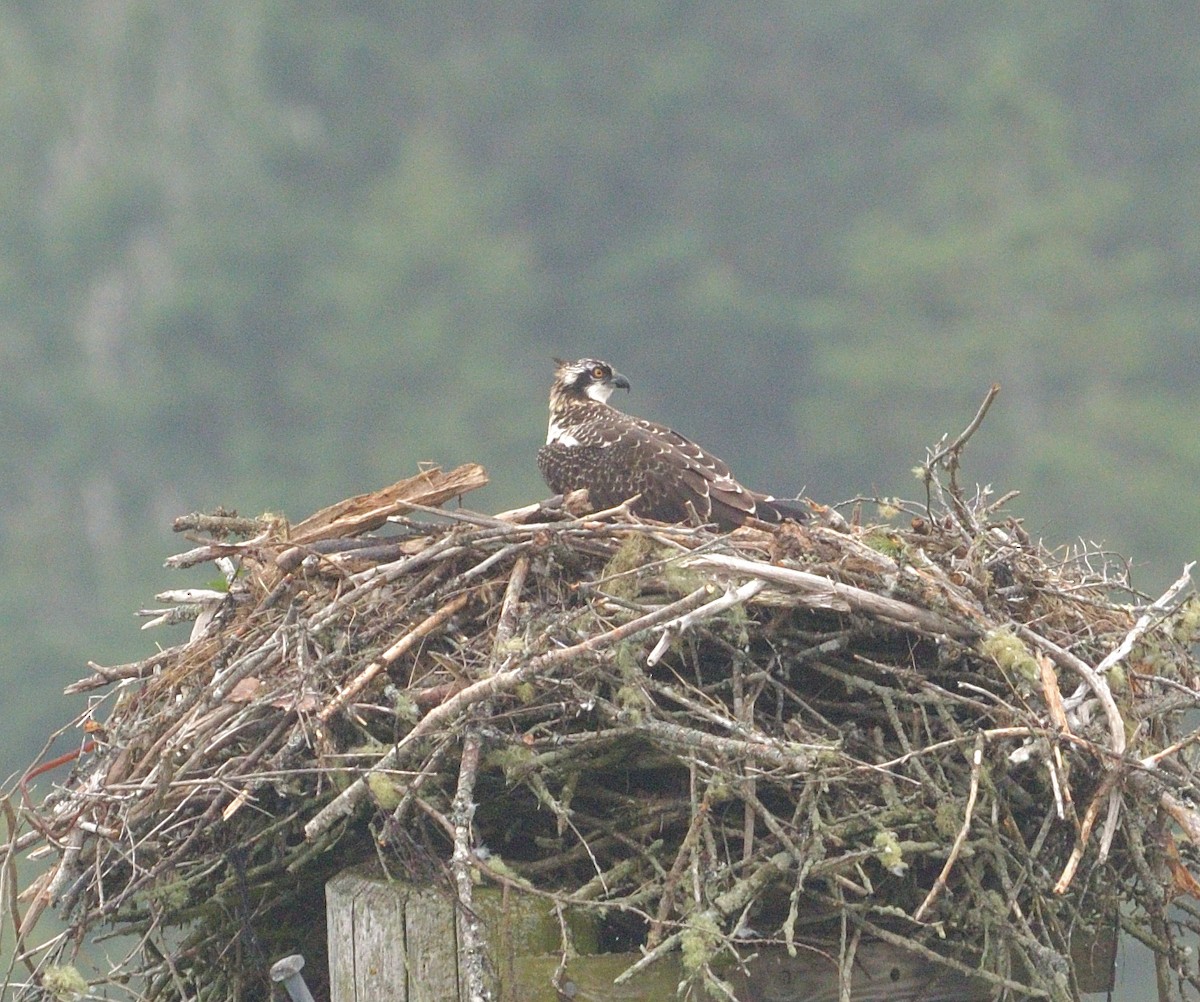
column 270, row 253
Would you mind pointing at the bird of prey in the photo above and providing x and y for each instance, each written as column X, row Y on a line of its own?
column 615, row 456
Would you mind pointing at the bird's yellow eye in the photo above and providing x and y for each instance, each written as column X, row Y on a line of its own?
column 598, row 372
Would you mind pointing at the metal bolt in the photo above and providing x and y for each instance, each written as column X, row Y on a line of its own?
column 287, row 971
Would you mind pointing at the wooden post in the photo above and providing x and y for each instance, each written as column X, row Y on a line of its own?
column 394, row 942
column 389, row 941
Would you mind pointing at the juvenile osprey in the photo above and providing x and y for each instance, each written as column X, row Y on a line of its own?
column 592, row 444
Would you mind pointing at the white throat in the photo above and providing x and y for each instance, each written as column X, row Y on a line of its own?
column 600, row 392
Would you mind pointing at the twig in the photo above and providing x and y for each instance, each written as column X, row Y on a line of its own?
column 1105, row 794
column 732, row 597
column 956, row 447
column 473, row 943
column 369, row 511
column 952, row 453
column 1153, row 761
column 507, row 623
column 383, row 574
column 1144, row 620
column 405, row 643
column 939, row 885
column 666, row 898
column 103, row 676
column 1109, row 787
column 973, row 971
column 214, row 551
column 725, row 904
column 780, row 754
column 1094, row 681
column 1184, row 816
column 219, row 524
column 823, row 593
column 485, row 688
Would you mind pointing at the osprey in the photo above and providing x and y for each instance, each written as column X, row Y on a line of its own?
column 592, row 444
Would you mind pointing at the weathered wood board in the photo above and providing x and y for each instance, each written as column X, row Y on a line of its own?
column 393, row 942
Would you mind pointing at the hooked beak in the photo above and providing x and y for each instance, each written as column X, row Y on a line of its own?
column 619, row 381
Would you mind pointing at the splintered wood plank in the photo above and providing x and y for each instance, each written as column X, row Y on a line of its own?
column 365, row 512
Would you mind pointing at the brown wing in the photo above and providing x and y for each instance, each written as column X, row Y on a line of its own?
column 681, row 477
column 616, row 456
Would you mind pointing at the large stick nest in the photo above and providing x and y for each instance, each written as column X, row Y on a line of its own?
column 932, row 731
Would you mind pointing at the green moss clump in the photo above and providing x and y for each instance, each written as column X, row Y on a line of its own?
column 885, row 542
column 888, row 511
column 169, row 895
column 946, row 819
column 64, row 984
column 684, row 579
column 1010, row 653
column 629, row 656
column 632, row 700
column 620, row 574
column 887, row 847
column 405, row 707
column 1187, row 621
column 386, row 791
column 699, row 942
column 513, row 760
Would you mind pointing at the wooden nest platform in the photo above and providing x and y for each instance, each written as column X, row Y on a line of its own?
column 932, row 732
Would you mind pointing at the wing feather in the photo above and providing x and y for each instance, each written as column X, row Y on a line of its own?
column 617, row 456
column 692, row 473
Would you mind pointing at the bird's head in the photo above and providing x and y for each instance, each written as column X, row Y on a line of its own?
column 587, row 377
